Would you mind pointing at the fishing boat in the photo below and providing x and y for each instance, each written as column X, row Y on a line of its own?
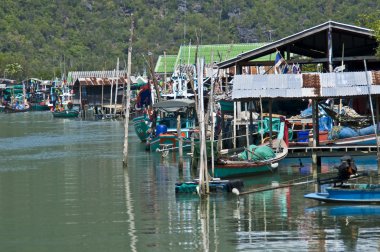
column 40, row 106
column 349, row 193
column 66, row 111
column 142, row 126
column 165, row 134
column 65, row 114
column 16, row 108
column 255, row 160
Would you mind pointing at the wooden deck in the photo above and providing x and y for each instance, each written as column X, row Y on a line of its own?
column 332, row 151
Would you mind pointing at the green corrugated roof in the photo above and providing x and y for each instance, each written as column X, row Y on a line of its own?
column 170, row 62
column 217, row 53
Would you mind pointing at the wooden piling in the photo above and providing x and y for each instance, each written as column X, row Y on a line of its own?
column 128, row 99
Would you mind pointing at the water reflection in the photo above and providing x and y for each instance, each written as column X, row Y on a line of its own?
column 63, row 188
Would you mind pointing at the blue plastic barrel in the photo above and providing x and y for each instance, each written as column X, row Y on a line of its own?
column 160, row 129
column 303, row 136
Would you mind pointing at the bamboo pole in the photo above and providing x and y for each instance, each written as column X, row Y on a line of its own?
column 211, row 105
column 117, row 84
column 111, row 93
column 164, row 89
column 180, row 141
column 373, row 116
column 203, row 173
column 128, row 100
column 234, row 128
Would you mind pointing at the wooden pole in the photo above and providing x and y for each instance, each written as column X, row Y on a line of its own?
column 203, row 173
column 111, row 93
column 246, row 124
column 261, row 121
column 180, row 141
column 234, row 128
column 164, row 89
column 126, row 123
column 117, row 84
column 211, row 105
column 373, row 116
column 102, row 95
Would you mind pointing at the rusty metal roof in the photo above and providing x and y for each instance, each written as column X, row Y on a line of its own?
column 93, row 81
column 306, row 85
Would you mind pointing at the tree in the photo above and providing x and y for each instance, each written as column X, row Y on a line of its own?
column 13, row 70
column 372, row 21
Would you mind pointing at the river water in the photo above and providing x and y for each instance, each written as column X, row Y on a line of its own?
column 63, row 188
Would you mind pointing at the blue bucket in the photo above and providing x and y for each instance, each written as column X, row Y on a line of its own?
column 160, row 129
column 303, row 136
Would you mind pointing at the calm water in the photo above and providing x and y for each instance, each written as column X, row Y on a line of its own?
column 63, row 188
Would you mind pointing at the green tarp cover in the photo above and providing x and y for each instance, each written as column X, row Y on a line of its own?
column 257, row 153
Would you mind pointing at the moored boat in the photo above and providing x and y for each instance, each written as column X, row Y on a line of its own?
column 142, row 126
column 258, row 159
column 165, row 134
column 66, row 114
column 349, row 193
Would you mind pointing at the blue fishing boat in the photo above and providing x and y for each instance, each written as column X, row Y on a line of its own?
column 165, row 133
column 349, row 193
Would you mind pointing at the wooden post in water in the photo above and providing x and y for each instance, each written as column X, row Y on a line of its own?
column 180, row 141
column 316, row 161
column 117, row 84
column 102, row 96
column 234, row 122
column 203, row 173
column 128, row 99
column 373, row 116
column 111, row 93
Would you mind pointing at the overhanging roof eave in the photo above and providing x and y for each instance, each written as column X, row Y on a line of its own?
column 272, row 47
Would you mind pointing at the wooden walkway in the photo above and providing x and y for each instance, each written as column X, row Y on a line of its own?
column 332, row 151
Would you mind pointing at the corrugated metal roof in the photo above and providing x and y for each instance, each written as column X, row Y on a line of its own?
column 216, row 53
column 168, row 60
column 93, row 81
column 306, row 85
column 73, row 76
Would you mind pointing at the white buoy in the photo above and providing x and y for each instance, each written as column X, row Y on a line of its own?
column 235, row 191
column 274, row 165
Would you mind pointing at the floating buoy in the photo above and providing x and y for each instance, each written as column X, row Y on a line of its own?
column 235, row 191
column 274, row 165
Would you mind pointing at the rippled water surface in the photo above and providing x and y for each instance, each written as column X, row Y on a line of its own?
column 63, row 188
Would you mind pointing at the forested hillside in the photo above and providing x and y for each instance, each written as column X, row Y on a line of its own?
column 48, row 37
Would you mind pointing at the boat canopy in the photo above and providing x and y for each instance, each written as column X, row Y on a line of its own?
column 174, row 105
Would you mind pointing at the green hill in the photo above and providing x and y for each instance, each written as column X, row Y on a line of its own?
column 48, row 37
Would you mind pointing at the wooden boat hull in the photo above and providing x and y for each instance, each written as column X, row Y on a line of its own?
column 39, row 107
column 242, row 169
column 355, row 194
column 13, row 110
column 66, row 114
column 142, row 126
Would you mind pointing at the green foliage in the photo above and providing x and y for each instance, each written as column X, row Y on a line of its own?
column 372, row 21
column 49, row 38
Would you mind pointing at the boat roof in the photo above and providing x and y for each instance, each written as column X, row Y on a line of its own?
column 174, row 105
